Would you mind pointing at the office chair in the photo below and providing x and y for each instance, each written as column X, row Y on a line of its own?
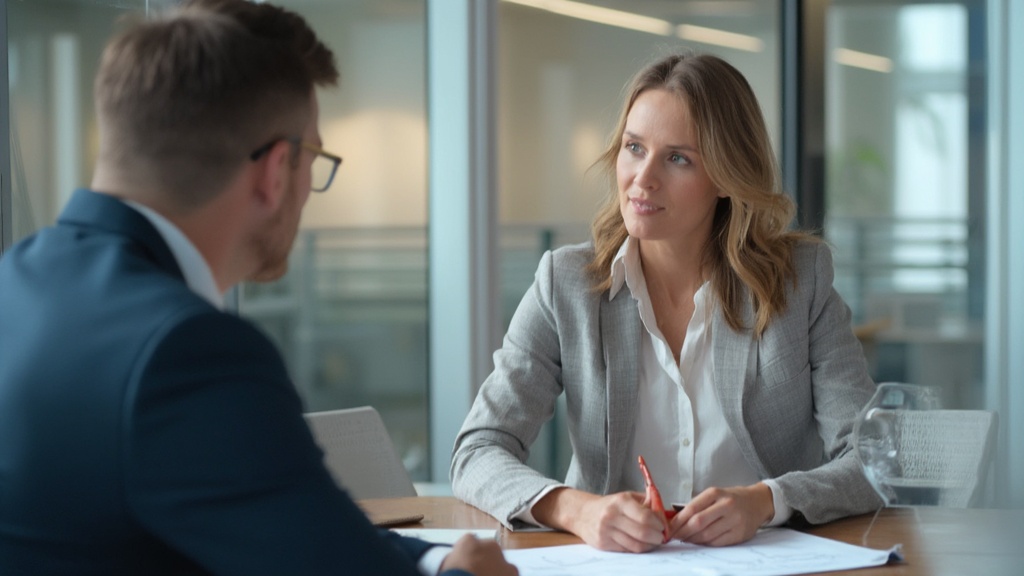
column 359, row 454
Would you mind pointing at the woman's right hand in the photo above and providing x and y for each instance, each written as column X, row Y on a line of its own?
column 616, row 523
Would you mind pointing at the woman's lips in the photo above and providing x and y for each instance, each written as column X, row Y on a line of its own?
column 643, row 207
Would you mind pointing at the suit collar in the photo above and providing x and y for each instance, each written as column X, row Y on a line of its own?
column 628, row 256
column 89, row 209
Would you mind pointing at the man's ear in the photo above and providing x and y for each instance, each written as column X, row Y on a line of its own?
column 274, row 173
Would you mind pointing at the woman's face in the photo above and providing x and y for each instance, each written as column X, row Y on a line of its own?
column 665, row 194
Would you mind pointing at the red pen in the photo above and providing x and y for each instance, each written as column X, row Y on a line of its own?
column 656, row 504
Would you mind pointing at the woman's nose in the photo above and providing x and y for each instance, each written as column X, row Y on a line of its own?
column 647, row 175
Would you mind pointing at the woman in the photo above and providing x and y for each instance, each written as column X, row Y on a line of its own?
column 695, row 330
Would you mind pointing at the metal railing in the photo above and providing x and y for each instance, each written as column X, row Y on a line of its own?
column 891, row 255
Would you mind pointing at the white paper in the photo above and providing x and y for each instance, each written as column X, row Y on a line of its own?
column 443, row 535
column 773, row 551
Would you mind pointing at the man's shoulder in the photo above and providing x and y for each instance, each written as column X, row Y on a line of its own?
column 66, row 282
column 200, row 333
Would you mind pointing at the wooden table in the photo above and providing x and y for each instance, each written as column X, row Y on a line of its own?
column 936, row 541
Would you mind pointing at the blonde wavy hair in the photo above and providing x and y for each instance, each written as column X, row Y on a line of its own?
column 750, row 247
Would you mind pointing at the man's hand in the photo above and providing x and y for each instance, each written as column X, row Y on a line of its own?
column 617, row 522
column 480, row 557
column 724, row 516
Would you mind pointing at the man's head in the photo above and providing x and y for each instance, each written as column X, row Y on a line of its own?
column 185, row 99
column 270, row 243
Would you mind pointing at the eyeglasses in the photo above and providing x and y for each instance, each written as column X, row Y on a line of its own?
column 325, row 164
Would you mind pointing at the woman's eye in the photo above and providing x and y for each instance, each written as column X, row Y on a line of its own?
column 633, row 147
column 678, row 159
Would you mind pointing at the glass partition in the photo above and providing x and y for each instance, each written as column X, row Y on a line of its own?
column 53, row 51
column 905, row 186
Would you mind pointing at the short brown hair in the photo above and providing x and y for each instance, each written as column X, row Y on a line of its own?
column 183, row 99
column 750, row 248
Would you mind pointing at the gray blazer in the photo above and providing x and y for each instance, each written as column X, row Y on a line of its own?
column 790, row 397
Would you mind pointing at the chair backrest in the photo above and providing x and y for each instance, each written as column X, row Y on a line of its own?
column 359, row 454
column 948, row 449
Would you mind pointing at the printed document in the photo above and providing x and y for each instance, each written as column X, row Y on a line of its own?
column 773, row 551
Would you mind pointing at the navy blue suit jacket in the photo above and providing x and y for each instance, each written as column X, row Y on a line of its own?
column 143, row 431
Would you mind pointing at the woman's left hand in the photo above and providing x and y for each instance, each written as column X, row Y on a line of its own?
column 724, row 516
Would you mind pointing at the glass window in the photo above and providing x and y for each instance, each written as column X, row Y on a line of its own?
column 53, row 52
column 899, row 193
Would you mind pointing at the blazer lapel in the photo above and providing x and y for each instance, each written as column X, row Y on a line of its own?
column 620, row 333
column 735, row 370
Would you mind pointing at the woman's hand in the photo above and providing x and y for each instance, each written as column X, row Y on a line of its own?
column 724, row 516
column 616, row 523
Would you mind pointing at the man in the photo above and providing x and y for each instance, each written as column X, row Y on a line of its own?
column 142, row 429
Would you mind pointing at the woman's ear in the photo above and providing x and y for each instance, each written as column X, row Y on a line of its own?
column 274, row 173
